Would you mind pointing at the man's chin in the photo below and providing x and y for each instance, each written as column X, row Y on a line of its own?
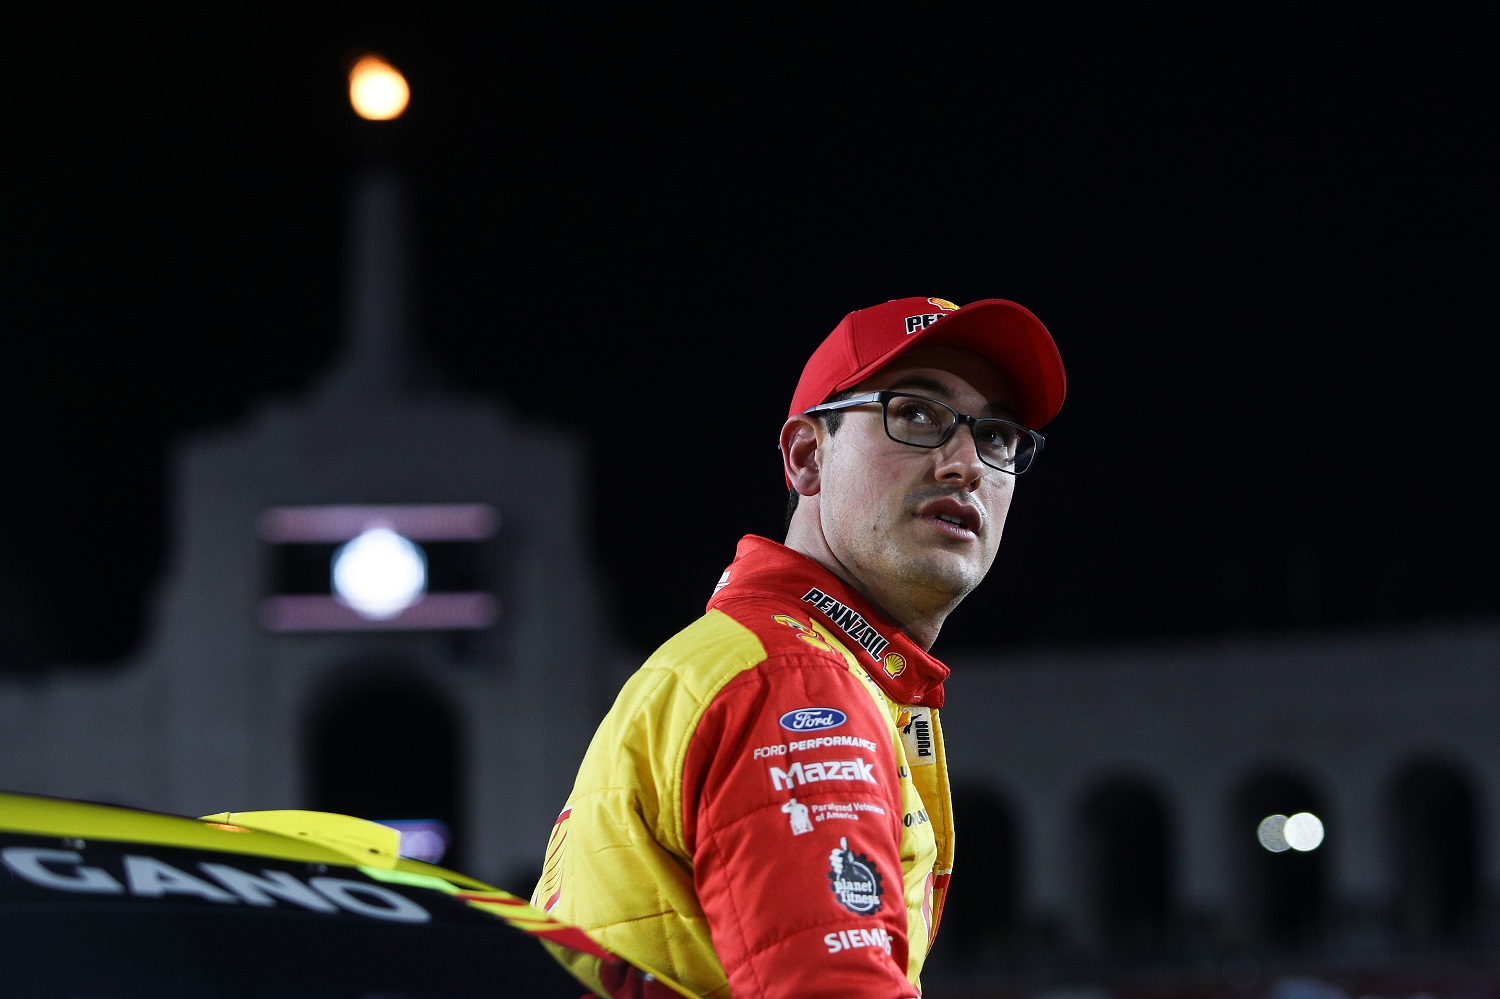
column 947, row 576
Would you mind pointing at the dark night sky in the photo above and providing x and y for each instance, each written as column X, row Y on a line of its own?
column 1265, row 246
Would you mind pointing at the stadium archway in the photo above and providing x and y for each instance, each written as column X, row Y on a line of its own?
column 1126, row 839
column 1282, row 889
column 980, row 918
column 1435, row 824
column 385, row 745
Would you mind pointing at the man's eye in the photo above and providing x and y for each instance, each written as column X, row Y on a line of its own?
column 914, row 411
column 999, row 437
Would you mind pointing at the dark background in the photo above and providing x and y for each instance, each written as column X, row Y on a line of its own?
column 1263, row 242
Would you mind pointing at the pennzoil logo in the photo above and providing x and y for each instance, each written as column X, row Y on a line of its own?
column 916, row 324
column 848, row 620
column 895, row 664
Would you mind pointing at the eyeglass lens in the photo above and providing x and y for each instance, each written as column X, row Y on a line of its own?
column 923, row 422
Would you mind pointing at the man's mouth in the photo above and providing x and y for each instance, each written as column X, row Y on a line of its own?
column 953, row 513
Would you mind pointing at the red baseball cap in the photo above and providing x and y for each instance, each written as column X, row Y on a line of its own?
column 1003, row 333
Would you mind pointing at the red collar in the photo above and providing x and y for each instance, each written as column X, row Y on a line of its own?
column 903, row 669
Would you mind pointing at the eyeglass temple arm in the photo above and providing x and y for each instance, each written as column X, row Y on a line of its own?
column 850, row 403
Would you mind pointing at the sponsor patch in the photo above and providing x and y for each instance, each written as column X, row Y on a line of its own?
column 857, row 937
column 854, row 880
column 805, row 633
column 915, row 324
column 812, row 719
column 849, row 621
column 895, row 664
column 943, row 304
column 723, row 581
column 846, row 811
column 816, row 742
column 798, row 812
column 798, row 774
column 916, row 736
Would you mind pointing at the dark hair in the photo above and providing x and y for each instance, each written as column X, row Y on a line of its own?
column 832, row 421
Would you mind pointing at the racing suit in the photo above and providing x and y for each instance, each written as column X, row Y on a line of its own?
column 765, row 811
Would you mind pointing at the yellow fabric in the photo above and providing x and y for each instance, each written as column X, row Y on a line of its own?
column 624, row 825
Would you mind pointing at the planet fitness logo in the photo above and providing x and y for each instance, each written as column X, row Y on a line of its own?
column 854, row 880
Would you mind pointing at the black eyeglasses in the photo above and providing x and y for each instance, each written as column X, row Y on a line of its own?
column 923, row 422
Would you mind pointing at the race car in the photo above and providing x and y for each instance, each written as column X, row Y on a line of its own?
column 107, row 902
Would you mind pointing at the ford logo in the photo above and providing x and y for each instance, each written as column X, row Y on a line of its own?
column 812, row 719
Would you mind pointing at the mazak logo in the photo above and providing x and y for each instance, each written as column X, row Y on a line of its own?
column 812, row 719
column 811, row 773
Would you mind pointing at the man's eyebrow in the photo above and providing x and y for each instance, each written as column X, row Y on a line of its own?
column 924, row 384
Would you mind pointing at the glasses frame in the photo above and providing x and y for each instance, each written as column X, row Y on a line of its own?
column 884, row 398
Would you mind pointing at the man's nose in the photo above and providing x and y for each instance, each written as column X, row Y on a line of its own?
column 958, row 457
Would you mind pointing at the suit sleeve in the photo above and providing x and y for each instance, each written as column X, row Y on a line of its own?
column 792, row 813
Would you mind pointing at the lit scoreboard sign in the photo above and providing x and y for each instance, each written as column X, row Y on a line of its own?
column 369, row 567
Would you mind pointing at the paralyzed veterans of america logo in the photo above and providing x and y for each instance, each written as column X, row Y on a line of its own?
column 798, row 811
column 812, row 719
column 854, row 880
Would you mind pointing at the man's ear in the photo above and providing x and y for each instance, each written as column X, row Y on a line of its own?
column 801, row 452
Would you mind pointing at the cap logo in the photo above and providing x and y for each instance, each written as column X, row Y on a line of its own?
column 943, row 304
column 915, row 324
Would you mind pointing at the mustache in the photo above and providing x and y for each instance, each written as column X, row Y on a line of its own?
column 926, row 494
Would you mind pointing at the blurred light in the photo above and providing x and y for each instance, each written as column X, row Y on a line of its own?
column 377, row 91
column 1304, row 831
column 417, row 521
column 434, row 612
column 1272, row 833
column 421, row 839
column 379, row 574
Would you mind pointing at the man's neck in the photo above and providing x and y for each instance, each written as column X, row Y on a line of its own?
column 920, row 624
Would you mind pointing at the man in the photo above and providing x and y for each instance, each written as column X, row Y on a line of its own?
column 765, row 809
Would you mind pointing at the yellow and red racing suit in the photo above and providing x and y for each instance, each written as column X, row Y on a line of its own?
column 764, row 811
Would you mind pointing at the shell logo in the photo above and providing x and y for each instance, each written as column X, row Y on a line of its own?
column 805, row 633
column 944, row 304
column 895, row 664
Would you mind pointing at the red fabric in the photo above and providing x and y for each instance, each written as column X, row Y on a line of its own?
column 1007, row 335
column 764, row 571
column 771, row 796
